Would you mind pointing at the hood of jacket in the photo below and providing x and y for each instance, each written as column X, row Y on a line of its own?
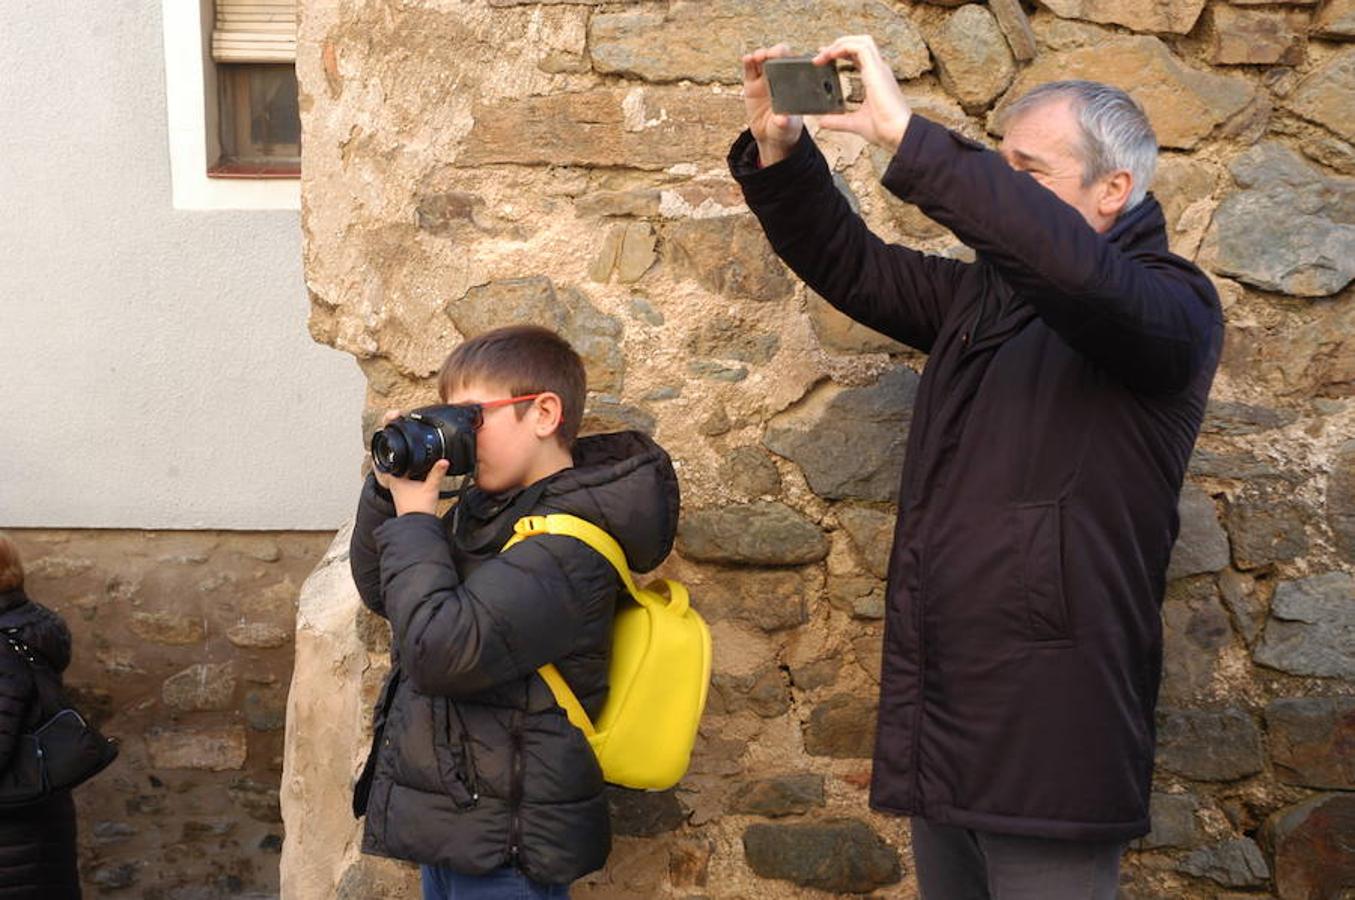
column 622, row 482
column 40, row 628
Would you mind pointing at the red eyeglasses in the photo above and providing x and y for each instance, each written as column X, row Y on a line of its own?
column 478, row 409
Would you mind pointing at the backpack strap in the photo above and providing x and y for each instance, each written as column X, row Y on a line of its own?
column 610, row 550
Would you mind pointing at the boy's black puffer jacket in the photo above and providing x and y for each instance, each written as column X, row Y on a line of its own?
column 478, row 767
column 37, row 843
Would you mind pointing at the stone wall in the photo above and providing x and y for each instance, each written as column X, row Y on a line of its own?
column 470, row 164
column 182, row 650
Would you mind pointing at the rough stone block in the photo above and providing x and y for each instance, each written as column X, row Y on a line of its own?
column 216, row 749
column 843, row 726
column 764, row 533
column 1312, row 627
column 837, row 855
column 1312, row 741
column 1207, row 745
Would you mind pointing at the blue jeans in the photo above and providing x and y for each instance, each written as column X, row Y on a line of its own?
column 507, row 883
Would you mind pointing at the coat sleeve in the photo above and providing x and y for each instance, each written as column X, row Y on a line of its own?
column 16, row 691
column 363, row 558
column 897, row 291
column 1149, row 320
column 516, row 612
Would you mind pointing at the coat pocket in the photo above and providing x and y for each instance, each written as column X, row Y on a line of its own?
column 1039, row 534
column 452, row 754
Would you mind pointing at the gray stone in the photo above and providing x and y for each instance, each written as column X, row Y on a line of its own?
column 258, row 635
column 167, row 628
column 1267, row 524
column 1311, row 842
column 714, row 371
column 972, row 57
column 115, row 877
column 1223, row 417
column 107, row 832
column 1312, row 627
column 1327, row 95
column 642, row 309
column 724, row 337
column 1340, row 505
column 446, row 213
column 1244, row 605
column 702, row 42
column 1208, row 746
column 1185, row 104
column 266, row 710
column 1336, row 20
column 605, row 412
column 536, row 301
column 750, row 472
column 768, row 534
column 624, row 127
column 1016, row 26
column 836, row 855
column 764, row 693
column 727, row 255
column 1173, row 822
column 205, row 686
column 849, row 442
column 666, row 392
column 1290, row 229
column 861, row 596
column 1312, row 741
column 1174, row 16
column 1206, row 463
column 1202, row 545
column 1196, row 629
column 715, row 423
column 1257, row 37
column 837, row 332
column 644, row 813
column 788, row 795
column 814, row 675
column 872, row 534
column 843, row 726
column 640, row 203
column 214, row 749
column 259, row 800
column 1233, row 863
column 772, row 600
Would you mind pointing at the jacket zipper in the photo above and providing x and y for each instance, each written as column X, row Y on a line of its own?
column 515, row 791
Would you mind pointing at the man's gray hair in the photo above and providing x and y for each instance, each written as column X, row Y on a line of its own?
column 1116, row 133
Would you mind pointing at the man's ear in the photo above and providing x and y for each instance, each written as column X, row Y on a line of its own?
column 1115, row 194
column 550, row 413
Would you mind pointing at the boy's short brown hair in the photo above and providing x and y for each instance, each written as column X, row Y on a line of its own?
column 522, row 359
column 11, row 567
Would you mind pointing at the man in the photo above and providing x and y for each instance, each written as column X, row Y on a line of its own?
column 1066, row 381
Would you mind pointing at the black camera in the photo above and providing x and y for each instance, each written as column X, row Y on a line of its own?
column 409, row 446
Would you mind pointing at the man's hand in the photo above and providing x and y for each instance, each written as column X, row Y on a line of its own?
column 776, row 135
column 883, row 117
column 419, row 496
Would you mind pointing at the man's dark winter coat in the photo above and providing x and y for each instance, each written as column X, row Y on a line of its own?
column 478, row 767
column 1064, row 388
column 37, row 843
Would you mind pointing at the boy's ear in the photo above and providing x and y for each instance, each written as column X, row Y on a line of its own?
column 550, row 413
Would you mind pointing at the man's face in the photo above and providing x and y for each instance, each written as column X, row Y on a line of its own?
column 1046, row 143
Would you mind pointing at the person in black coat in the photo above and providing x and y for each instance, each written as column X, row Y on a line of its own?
column 37, row 842
column 477, row 774
column 1067, row 374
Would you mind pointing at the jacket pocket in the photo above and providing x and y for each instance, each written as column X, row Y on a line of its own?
column 452, row 754
column 1039, row 535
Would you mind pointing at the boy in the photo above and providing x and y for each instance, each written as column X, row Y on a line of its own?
column 476, row 774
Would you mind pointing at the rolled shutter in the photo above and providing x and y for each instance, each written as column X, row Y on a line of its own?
column 255, row 31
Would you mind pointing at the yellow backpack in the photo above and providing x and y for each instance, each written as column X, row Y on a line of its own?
column 659, row 675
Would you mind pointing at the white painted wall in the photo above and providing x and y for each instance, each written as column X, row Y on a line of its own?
column 155, row 368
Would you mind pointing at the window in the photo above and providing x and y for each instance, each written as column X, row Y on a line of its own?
column 258, row 128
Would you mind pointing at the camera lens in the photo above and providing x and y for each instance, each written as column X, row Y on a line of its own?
column 390, row 452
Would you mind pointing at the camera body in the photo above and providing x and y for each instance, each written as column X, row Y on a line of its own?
column 409, row 446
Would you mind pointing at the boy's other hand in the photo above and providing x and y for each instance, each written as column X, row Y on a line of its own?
column 883, row 116
column 412, row 496
column 776, row 135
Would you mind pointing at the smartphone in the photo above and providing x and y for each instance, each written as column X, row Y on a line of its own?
column 801, row 88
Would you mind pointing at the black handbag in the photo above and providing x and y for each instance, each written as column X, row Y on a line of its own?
column 62, row 750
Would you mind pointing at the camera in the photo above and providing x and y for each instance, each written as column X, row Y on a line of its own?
column 409, row 446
